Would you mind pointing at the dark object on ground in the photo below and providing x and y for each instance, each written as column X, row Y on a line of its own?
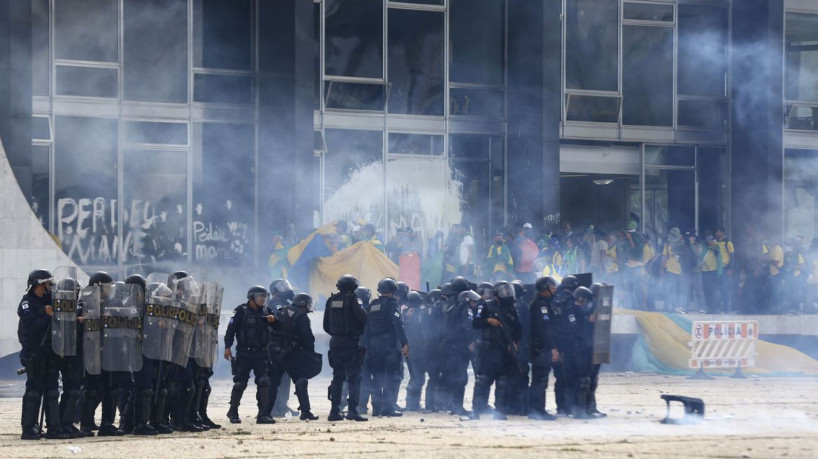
column 694, row 409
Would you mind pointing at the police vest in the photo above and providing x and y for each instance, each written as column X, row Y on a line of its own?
column 381, row 313
column 253, row 331
column 287, row 318
column 342, row 321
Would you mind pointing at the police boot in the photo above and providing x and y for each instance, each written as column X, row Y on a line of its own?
column 501, row 397
column 412, row 400
column 31, row 409
column 480, row 398
column 68, row 404
column 581, row 398
column 181, row 411
column 235, row 400
column 89, row 407
column 304, row 400
column 193, row 410
column 158, row 413
column 142, row 412
column 126, row 416
column 52, row 415
column 458, row 395
column 109, row 405
column 203, row 408
column 263, row 399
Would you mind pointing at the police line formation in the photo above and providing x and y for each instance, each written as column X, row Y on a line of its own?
column 145, row 349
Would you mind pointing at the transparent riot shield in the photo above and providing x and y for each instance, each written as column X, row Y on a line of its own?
column 64, row 295
column 188, row 296
column 603, row 315
column 121, row 329
column 208, row 342
column 157, row 327
column 91, row 301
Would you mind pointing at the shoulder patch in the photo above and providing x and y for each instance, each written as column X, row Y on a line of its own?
column 375, row 307
column 397, row 314
column 24, row 305
column 360, row 303
column 337, row 304
column 544, row 310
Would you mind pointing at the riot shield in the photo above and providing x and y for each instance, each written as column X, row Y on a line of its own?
column 603, row 311
column 121, row 328
column 64, row 295
column 157, row 328
column 206, row 342
column 187, row 301
column 91, row 299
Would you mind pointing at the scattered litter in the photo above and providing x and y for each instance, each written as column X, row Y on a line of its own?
column 74, row 449
column 694, row 409
column 421, row 419
column 331, row 438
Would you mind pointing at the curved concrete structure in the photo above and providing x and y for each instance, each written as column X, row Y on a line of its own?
column 24, row 245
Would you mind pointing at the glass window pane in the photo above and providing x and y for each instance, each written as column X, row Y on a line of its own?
column 416, row 62
column 156, row 133
column 86, row 30
column 155, row 48
column 670, row 156
column 648, row 12
column 591, row 45
column 85, row 188
column 477, row 41
column 416, row 144
column 801, row 48
column 87, row 81
column 223, row 215
column 355, row 96
column 647, row 76
column 593, row 108
column 476, row 102
column 223, row 33
column 40, row 59
column 40, row 186
column 425, row 2
column 154, row 193
column 702, row 60
column 40, row 128
column 354, row 38
column 477, row 165
column 670, row 200
column 801, row 118
column 223, row 89
column 702, row 113
column 353, row 176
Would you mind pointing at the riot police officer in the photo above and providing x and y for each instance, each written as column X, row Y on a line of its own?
column 385, row 340
column 344, row 320
column 454, row 350
column 281, row 295
column 563, row 300
column 577, row 345
column 542, row 351
column 500, row 330
column 249, row 327
column 365, row 295
column 436, row 303
column 292, row 351
column 66, row 337
column 33, row 331
column 414, row 322
column 518, row 382
column 141, row 398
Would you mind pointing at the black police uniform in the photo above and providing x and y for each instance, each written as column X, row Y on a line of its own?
column 290, row 338
column 436, row 329
column 454, row 352
column 540, row 351
column 249, row 327
column 37, row 356
column 574, row 344
column 415, row 322
column 344, row 320
column 384, row 336
column 494, row 360
column 517, row 394
column 562, row 301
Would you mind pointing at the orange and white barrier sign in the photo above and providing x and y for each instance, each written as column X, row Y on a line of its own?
column 723, row 344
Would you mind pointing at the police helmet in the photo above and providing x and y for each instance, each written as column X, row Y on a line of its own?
column 39, row 276
column 433, row 296
column 347, row 283
column 583, row 293
column 413, row 299
column 484, row 289
column 387, row 285
column 175, row 276
column 570, row 283
column 282, row 289
column 159, row 290
column 544, row 284
column 468, row 295
column 459, row 284
column 100, row 278
column 446, row 290
column 403, row 289
column 136, row 279
column 503, row 290
column 255, row 292
column 302, row 300
column 363, row 294
column 519, row 288
column 68, row 285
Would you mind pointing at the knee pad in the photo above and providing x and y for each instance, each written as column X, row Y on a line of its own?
column 584, row 383
column 240, row 386
column 301, row 384
column 32, row 395
column 263, row 381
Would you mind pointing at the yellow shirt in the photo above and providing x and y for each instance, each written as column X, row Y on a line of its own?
column 726, row 248
column 612, row 264
column 672, row 264
column 776, row 255
column 710, row 263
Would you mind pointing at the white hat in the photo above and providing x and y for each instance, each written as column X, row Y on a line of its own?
column 527, row 226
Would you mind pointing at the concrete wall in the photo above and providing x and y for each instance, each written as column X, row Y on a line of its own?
column 24, row 246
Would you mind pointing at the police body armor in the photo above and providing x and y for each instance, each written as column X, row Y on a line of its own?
column 64, row 321
column 206, row 340
column 92, row 337
column 381, row 313
column 254, row 331
column 603, row 308
column 342, row 318
column 122, row 328
column 157, row 330
column 284, row 338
